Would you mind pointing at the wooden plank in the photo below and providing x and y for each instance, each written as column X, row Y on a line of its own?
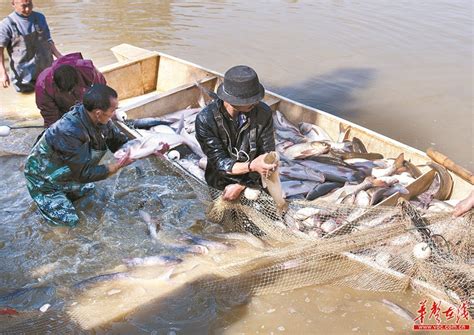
column 125, row 52
column 158, row 104
column 134, row 77
column 173, row 74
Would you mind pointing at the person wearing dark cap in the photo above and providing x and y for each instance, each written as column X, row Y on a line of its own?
column 63, row 84
column 235, row 132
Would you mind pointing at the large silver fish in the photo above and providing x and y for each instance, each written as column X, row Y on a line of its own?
column 142, row 147
column 390, row 170
column 176, row 137
column 152, row 261
column 244, row 237
column 297, row 171
column 83, row 284
column 205, row 242
column 192, row 168
column 296, row 187
column 273, row 184
column 333, row 172
column 305, row 150
column 284, row 130
column 313, row 132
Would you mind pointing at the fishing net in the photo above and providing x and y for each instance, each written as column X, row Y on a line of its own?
column 313, row 242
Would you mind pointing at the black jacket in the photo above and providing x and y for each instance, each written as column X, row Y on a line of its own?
column 226, row 141
column 74, row 136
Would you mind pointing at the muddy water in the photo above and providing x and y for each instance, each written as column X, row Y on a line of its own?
column 404, row 70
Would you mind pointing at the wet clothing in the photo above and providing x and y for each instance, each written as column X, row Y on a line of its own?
column 226, row 141
column 52, row 102
column 28, row 42
column 63, row 164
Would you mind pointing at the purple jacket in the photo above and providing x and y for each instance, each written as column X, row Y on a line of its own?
column 53, row 103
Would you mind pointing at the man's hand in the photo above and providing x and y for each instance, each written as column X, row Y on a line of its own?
column 258, row 165
column 4, row 79
column 464, row 205
column 232, row 192
column 124, row 161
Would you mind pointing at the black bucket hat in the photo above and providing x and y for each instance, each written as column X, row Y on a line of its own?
column 241, row 86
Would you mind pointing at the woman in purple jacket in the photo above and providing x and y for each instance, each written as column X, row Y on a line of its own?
column 62, row 85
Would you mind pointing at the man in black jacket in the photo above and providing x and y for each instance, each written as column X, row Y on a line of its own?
column 64, row 163
column 235, row 132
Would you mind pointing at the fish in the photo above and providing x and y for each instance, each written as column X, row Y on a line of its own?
column 349, row 189
column 338, row 148
column 244, row 237
column 306, row 149
column 28, row 298
column 384, row 192
column 362, row 199
column 399, row 310
column 296, row 187
column 334, row 172
column 365, row 155
column 286, row 130
column 152, row 228
column 84, row 284
column 193, row 249
column 273, row 184
column 297, row 171
column 167, row 129
column 204, row 242
column 343, row 132
column 142, row 147
column 306, row 212
column 146, row 123
column 366, row 165
column 282, row 145
column 176, row 137
column 382, row 172
column 322, row 189
column 313, row 132
column 192, row 168
column 152, row 260
column 412, row 169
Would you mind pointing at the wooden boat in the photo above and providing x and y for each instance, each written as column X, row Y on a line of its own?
column 152, row 84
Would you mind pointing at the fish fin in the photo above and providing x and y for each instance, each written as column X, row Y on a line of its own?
column 343, row 132
column 399, row 161
column 357, row 144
